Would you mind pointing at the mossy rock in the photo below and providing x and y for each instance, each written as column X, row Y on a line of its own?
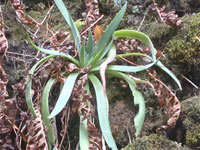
column 155, row 142
column 159, row 33
column 185, row 46
column 191, row 120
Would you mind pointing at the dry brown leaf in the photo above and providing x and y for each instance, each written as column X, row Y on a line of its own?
column 3, row 40
column 94, row 137
column 98, row 32
column 166, row 98
column 92, row 11
column 36, row 138
column 170, row 18
column 19, row 11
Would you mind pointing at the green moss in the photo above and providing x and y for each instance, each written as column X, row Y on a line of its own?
column 159, row 33
column 193, row 136
column 37, row 15
column 191, row 117
column 185, row 47
column 154, row 142
column 157, row 30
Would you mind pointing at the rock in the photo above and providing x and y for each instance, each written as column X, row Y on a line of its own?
column 191, row 120
column 184, row 47
column 155, row 142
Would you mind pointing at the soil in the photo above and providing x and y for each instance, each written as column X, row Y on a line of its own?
column 186, row 134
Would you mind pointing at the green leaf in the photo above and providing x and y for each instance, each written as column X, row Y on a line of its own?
column 83, row 135
column 132, row 54
column 94, row 61
column 83, row 58
column 45, row 110
column 53, row 52
column 139, row 36
column 83, row 127
column 79, row 24
column 65, row 94
column 29, row 85
column 90, row 45
column 138, row 100
column 109, row 31
column 160, row 65
column 102, row 109
column 69, row 20
column 123, row 68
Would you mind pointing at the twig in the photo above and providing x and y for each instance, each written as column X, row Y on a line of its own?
column 13, row 53
column 35, row 34
column 129, row 137
column 155, row 4
column 138, row 29
column 127, row 61
column 189, row 81
column 19, row 59
column 92, row 25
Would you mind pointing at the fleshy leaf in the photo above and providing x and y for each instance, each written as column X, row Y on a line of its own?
column 68, row 18
column 105, row 38
column 64, row 94
column 45, row 110
column 53, row 52
column 29, row 85
column 83, row 134
column 139, row 36
column 90, row 44
column 97, row 58
column 171, row 74
column 123, row 68
column 102, row 109
column 138, row 100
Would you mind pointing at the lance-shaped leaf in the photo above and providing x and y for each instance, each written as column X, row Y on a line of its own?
column 69, row 20
column 90, row 45
column 64, row 94
column 138, row 100
column 123, row 68
column 102, row 109
column 83, row 57
column 45, row 111
column 159, row 64
column 94, row 61
column 83, row 127
column 28, row 89
column 103, row 66
column 105, row 38
column 139, row 36
column 53, row 52
column 171, row 74
column 83, row 135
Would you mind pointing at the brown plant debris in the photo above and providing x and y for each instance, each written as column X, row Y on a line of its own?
column 36, row 134
column 7, row 106
column 170, row 18
column 83, row 106
column 19, row 11
column 92, row 11
column 127, row 45
column 167, row 99
column 94, row 137
column 3, row 40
